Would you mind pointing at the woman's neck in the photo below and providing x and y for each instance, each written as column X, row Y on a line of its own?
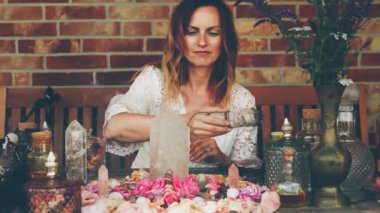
column 199, row 79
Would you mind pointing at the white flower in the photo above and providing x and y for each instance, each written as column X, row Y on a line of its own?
column 304, row 28
column 346, row 82
column 344, row 36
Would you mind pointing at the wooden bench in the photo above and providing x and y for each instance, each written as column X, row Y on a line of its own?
column 88, row 105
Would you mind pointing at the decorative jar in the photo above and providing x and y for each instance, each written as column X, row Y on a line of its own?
column 273, row 157
column 38, row 156
column 54, row 195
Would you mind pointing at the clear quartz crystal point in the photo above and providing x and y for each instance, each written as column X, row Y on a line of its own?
column 169, row 145
column 75, row 150
column 363, row 163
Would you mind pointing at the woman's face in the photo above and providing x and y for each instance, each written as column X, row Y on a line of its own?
column 203, row 37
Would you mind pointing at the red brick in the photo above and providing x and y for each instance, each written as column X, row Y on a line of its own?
column 364, row 75
column 75, row 12
column 90, row 28
column 375, row 10
column 253, row 44
column 279, row 45
column 20, row 62
column 250, row 11
column 112, row 45
column 137, row 28
column 6, row 79
column 62, row 79
column 139, row 12
column 370, row 59
column 20, row 13
column 76, row 62
column 28, row 29
column 7, row 46
column 22, row 79
column 155, row 44
column 49, row 46
column 38, row 1
column 114, row 78
column 270, row 60
column 119, row 61
column 307, row 11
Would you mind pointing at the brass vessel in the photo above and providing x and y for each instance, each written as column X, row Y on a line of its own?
column 330, row 160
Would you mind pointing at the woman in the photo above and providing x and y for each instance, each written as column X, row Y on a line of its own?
column 197, row 75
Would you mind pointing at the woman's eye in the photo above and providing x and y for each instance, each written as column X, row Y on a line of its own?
column 191, row 32
column 214, row 34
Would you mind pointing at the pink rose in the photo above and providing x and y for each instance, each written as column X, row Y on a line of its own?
column 250, row 192
column 143, row 187
column 270, row 201
column 158, row 187
column 190, row 187
column 170, row 198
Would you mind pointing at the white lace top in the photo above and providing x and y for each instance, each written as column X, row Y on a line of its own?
column 145, row 96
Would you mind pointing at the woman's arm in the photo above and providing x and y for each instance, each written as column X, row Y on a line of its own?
column 128, row 127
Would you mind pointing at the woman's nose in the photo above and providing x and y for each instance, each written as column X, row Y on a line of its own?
column 202, row 40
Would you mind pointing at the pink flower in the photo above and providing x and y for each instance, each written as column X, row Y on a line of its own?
column 190, row 187
column 143, row 187
column 178, row 187
column 158, row 187
column 170, row 198
column 250, row 192
column 270, row 201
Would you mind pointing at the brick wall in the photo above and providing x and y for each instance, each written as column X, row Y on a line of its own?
column 66, row 43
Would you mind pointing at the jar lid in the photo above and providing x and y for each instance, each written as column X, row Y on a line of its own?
column 56, row 183
column 311, row 113
column 26, row 125
column 42, row 136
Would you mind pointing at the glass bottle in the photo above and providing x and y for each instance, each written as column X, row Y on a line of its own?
column 240, row 117
column 38, row 156
column 289, row 183
column 273, row 157
column 362, row 163
column 310, row 126
column 95, row 148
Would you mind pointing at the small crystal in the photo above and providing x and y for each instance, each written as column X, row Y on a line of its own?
column 103, row 181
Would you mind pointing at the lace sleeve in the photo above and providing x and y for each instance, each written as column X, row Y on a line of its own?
column 244, row 150
column 137, row 100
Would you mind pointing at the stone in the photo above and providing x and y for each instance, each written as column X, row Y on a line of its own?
column 169, row 145
column 75, row 150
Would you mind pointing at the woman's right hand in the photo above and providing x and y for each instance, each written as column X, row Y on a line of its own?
column 203, row 125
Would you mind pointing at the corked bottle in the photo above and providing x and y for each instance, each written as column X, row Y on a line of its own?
column 37, row 158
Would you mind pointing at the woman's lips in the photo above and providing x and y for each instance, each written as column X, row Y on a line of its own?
column 202, row 53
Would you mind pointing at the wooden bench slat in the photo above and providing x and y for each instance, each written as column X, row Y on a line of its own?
column 58, row 140
column 16, row 114
column 87, row 118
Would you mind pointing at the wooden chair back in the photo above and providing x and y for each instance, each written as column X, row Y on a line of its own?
column 88, row 105
column 3, row 102
column 278, row 102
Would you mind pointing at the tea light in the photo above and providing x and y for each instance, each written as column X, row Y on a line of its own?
column 51, row 165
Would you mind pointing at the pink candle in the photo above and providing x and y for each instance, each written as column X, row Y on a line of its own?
column 103, row 181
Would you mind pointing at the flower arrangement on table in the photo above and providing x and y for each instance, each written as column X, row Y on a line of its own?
column 174, row 194
column 322, row 43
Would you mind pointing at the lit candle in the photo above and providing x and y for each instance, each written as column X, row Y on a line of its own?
column 51, row 165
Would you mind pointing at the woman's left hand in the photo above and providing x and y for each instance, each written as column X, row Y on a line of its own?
column 204, row 148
